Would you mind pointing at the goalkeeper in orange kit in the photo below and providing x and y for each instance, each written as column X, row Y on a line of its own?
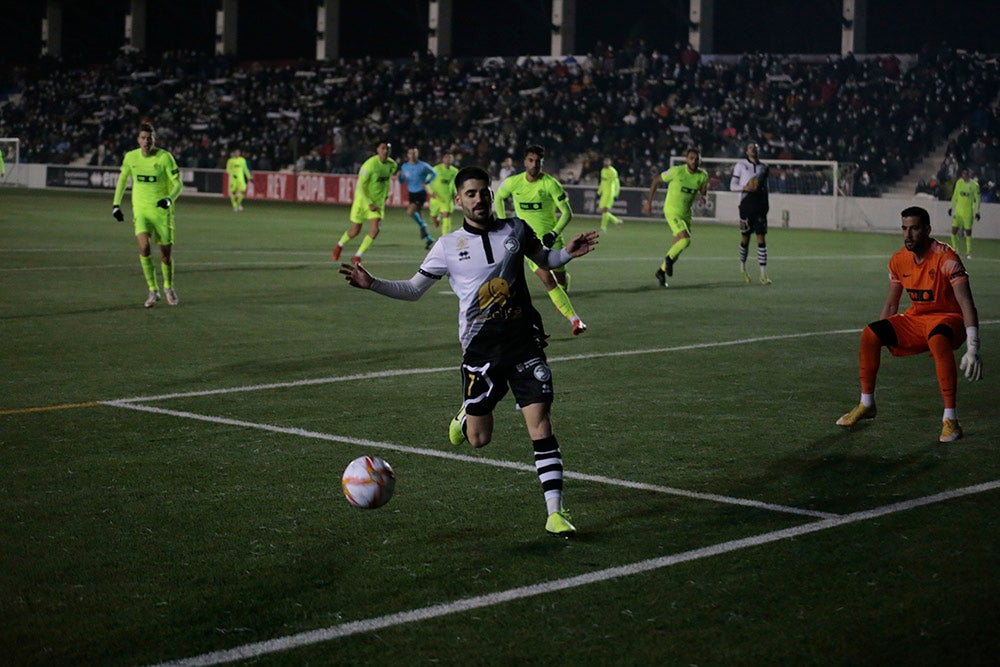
column 942, row 315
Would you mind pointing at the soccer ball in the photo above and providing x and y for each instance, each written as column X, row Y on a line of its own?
column 368, row 482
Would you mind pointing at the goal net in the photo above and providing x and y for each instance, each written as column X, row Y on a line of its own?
column 10, row 151
column 820, row 189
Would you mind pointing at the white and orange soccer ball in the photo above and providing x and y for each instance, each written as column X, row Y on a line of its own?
column 368, row 482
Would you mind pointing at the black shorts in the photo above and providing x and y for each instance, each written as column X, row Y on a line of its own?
column 753, row 224
column 485, row 384
column 418, row 198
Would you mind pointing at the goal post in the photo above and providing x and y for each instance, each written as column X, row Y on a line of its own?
column 10, row 151
column 813, row 193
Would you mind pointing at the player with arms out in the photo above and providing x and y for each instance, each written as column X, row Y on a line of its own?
column 750, row 179
column 418, row 176
column 500, row 331
column 443, row 193
column 239, row 176
column 965, row 203
column 156, row 183
column 684, row 182
column 370, row 193
column 941, row 316
column 537, row 195
column 607, row 191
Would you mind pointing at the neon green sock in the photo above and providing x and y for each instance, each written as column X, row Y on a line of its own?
column 954, row 241
column 677, row 248
column 343, row 239
column 149, row 272
column 232, row 200
column 365, row 244
column 562, row 302
column 968, row 244
column 605, row 219
column 168, row 274
column 445, row 225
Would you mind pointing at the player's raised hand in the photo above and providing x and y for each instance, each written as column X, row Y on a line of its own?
column 116, row 213
column 582, row 244
column 356, row 275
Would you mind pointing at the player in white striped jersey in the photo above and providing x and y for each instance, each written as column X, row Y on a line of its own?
column 500, row 331
column 750, row 178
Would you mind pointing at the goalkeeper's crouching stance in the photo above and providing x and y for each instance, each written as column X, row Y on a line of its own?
column 942, row 315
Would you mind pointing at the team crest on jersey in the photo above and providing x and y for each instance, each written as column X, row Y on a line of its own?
column 512, row 244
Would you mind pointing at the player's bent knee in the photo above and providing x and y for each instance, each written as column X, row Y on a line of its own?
column 883, row 331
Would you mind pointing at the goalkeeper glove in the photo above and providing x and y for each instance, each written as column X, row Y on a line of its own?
column 164, row 203
column 549, row 239
column 977, row 217
column 971, row 362
column 116, row 213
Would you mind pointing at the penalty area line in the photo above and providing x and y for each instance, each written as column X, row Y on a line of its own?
column 311, row 637
column 465, row 458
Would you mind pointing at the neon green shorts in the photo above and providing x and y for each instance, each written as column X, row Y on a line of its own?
column 440, row 205
column 607, row 201
column 677, row 223
column 237, row 185
column 361, row 213
column 157, row 222
column 963, row 221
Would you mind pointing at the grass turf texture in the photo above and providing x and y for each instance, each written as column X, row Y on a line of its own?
column 132, row 537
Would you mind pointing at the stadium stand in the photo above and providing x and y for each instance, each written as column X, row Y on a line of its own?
column 639, row 105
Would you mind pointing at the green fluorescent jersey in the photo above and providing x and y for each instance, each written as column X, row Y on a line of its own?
column 237, row 168
column 610, row 183
column 444, row 185
column 374, row 180
column 965, row 198
column 153, row 178
column 682, row 188
column 536, row 202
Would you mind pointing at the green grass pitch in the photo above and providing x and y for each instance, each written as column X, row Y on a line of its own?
column 170, row 477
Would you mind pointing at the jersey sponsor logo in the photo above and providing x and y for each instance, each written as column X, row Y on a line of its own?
column 512, row 244
column 921, row 295
column 530, row 205
column 143, row 178
column 689, row 191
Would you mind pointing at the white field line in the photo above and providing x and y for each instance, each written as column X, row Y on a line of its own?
column 497, row 463
column 311, row 637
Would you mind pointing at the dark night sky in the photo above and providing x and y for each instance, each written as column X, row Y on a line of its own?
column 283, row 29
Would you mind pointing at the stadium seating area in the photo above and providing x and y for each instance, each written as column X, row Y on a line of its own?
column 638, row 105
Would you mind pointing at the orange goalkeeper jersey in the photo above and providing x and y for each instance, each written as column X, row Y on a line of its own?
column 929, row 283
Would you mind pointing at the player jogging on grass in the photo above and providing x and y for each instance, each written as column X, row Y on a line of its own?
column 965, row 205
column 443, row 193
column 750, row 180
column 684, row 182
column 370, row 193
column 156, row 183
column 536, row 196
column 500, row 331
column 607, row 191
column 239, row 175
column 942, row 314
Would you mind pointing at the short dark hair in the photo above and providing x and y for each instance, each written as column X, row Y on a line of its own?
column 471, row 173
column 536, row 149
column 146, row 126
column 917, row 212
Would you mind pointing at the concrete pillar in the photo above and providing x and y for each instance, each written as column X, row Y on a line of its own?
column 135, row 26
column 327, row 29
column 563, row 27
column 52, row 25
column 854, row 27
column 226, row 27
column 439, row 26
column 701, row 25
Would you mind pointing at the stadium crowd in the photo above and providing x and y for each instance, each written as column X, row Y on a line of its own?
column 640, row 106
